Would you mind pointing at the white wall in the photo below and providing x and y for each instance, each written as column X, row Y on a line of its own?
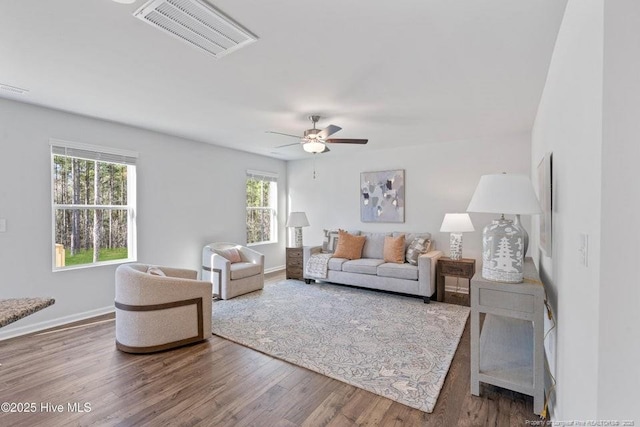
column 569, row 124
column 189, row 194
column 619, row 305
column 440, row 178
column 588, row 118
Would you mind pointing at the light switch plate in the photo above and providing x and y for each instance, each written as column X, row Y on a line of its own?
column 3, row 225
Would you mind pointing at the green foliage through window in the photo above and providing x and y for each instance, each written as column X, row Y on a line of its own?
column 261, row 209
column 91, row 210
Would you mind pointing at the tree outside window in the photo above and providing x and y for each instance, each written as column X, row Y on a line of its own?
column 93, row 204
column 262, row 200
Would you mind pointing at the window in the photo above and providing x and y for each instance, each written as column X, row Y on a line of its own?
column 93, row 205
column 262, row 202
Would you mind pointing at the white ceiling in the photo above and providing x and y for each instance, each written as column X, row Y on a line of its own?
column 400, row 72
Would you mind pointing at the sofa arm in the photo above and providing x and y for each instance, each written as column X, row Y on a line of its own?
column 146, row 289
column 251, row 256
column 427, row 270
column 216, row 269
column 179, row 272
column 307, row 251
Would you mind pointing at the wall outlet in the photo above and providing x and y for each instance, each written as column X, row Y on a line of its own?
column 3, row 225
column 583, row 249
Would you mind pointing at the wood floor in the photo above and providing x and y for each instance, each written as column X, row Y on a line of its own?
column 215, row 383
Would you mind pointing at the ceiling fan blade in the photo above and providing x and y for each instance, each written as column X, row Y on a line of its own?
column 285, row 134
column 346, row 141
column 329, row 130
column 326, row 150
column 287, row 145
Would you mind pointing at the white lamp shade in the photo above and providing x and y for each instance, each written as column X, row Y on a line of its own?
column 297, row 219
column 505, row 194
column 456, row 223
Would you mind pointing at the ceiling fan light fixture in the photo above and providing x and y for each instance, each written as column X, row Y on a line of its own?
column 311, row 133
column 314, row 140
column 313, row 146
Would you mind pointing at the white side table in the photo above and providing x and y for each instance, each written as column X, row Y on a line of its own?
column 509, row 352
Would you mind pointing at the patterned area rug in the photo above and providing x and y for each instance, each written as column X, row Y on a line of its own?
column 394, row 346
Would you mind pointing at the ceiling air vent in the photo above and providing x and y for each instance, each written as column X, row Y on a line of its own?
column 197, row 23
column 13, row 89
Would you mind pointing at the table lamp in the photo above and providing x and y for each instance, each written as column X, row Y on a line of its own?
column 504, row 241
column 297, row 220
column 456, row 224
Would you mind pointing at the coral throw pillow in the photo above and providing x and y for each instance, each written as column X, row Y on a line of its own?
column 232, row 254
column 394, row 249
column 349, row 246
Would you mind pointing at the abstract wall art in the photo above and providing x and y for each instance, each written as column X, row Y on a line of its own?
column 382, row 196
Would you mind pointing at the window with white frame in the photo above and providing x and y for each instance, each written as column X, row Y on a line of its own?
column 93, row 193
column 262, row 203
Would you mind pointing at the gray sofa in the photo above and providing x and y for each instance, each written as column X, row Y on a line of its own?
column 372, row 272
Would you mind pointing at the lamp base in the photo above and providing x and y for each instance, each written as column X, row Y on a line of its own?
column 517, row 223
column 503, row 252
column 297, row 242
column 455, row 246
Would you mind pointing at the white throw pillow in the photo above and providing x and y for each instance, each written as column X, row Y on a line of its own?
column 330, row 241
column 155, row 271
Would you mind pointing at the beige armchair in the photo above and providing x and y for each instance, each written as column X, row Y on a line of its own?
column 158, row 308
column 231, row 279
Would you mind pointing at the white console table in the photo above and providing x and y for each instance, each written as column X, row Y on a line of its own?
column 509, row 352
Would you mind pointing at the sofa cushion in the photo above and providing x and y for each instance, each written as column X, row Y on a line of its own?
column 349, row 246
column 362, row 266
column 374, row 246
column 416, row 248
column 394, row 249
column 336, row 263
column 240, row 270
column 398, row 271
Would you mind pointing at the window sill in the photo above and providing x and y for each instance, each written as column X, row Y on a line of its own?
column 271, row 242
column 92, row 265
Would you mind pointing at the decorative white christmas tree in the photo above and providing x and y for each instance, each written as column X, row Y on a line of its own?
column 504, row 256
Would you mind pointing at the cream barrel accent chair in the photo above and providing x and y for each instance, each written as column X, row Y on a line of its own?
column 232, row 269
column 158, row 308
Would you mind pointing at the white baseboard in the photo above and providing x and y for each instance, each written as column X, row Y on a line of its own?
column 548, row 384
column 55, row 322
column 274, row 269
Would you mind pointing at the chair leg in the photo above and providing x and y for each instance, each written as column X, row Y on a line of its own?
column 427, row 300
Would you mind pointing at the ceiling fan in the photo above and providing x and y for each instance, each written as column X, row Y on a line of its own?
column 314, row 140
